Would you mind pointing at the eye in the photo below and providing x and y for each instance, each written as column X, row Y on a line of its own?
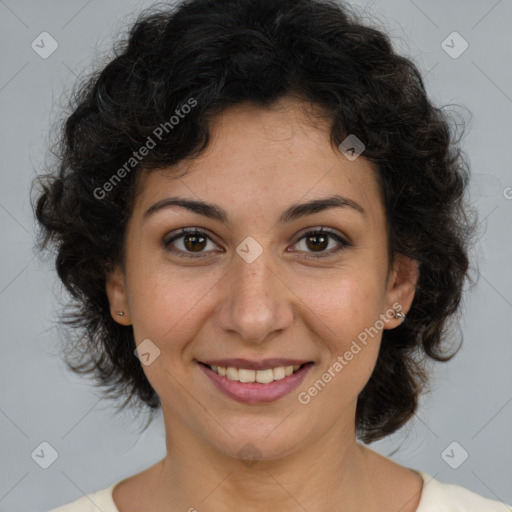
column 194, row 240
column 319, row 240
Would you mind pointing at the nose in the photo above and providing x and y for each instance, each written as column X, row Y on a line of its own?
column 257, row 303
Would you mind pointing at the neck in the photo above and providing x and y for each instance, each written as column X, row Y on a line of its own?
column 330, row 473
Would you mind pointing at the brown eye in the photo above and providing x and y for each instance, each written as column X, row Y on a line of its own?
column 317, row 241
column 192, row 240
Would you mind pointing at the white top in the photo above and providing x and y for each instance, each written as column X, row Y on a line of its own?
column 436, row 496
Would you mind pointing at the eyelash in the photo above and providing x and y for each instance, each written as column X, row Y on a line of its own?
column 199, row 232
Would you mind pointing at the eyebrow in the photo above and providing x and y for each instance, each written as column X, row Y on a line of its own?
column 295, row 211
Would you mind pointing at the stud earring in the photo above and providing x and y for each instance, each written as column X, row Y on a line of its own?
column 400, row 315
column 120, row 313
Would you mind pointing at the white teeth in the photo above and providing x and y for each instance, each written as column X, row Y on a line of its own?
column 279, row 373
column 262, row 376
column 246, row 375
column 232, row 373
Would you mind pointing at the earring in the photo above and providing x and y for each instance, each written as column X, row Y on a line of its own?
column 400, row 315
column 120, row 313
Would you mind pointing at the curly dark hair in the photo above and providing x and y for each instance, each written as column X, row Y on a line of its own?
column 217, row 53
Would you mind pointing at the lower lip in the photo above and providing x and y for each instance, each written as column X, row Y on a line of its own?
column 255, row 392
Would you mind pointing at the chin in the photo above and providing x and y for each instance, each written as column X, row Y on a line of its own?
column 257, row 443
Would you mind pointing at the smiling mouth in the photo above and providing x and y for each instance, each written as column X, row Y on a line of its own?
column 265, row 376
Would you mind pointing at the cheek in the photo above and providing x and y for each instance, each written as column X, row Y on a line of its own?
column 345, row 322
column 165, row 300
column 344, row 302
column 344, row 314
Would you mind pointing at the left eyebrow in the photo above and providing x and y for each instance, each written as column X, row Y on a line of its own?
column 293, row 212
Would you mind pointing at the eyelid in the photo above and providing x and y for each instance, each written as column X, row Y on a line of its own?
column 180, row 234
column 341, row 239
column 320, row 230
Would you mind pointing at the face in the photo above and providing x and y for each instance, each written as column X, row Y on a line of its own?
column 254, row 289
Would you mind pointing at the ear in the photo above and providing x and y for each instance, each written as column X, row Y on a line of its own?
column 401, row 287
column 116, row 293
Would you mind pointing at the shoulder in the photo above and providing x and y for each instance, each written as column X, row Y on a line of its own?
column 99, row 500
column 439, row 496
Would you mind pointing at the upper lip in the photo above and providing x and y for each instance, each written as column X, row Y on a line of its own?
column 261, row 364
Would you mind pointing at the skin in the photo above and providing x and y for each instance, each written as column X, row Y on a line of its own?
column 285, row 303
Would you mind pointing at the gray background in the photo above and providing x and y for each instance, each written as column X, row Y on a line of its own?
column 471, row 398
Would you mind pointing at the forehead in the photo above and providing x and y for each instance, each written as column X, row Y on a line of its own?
column 260, row 158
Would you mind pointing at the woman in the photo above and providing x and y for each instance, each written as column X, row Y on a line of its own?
column 260, row 216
